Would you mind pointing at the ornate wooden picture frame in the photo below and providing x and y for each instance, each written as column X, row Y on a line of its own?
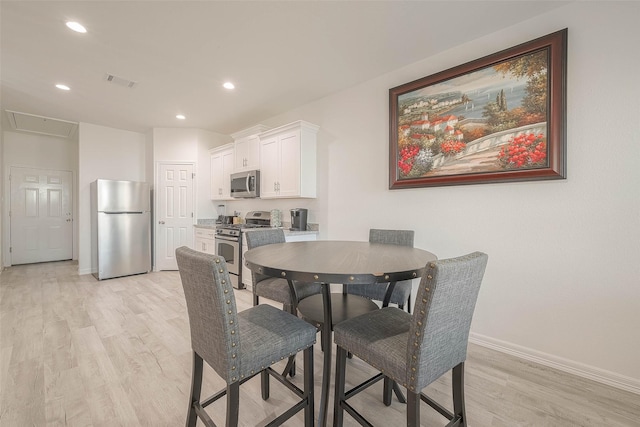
column 496, row 119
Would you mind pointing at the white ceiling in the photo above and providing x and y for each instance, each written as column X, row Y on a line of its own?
column 280, row 55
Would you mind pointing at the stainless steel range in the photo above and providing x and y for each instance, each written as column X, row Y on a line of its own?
column 229, row 242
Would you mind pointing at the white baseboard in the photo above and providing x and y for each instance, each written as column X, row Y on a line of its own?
column 84, row 271
column 579, row 369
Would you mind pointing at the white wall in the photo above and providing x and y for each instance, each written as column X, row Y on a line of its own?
column 2, row 216
column 563, row 278
column 40, row 151
column 32, row 150
column 104, row 153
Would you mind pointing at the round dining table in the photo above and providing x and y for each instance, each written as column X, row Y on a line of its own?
column 340, row 262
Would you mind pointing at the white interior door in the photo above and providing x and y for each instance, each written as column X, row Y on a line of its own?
column 174, row 213
column 40, row 215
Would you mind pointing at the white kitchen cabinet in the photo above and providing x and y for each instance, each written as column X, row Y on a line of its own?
column 247, row 148
column 221, row 169
column 204, row 240
column 288, row 161
column 247, row 278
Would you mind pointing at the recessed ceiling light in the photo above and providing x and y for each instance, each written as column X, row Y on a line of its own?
column 229, row 85
column 63, row 87
column 180, row 116
column 77, row 27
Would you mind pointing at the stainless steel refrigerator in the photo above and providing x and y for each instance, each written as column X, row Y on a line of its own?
column 120, row 228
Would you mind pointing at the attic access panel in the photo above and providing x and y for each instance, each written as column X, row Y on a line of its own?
column 42, row 125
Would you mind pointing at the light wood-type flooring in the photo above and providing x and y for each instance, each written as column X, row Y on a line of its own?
column 78, row 352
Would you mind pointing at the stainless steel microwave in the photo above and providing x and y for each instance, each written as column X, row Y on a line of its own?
column 245, row 184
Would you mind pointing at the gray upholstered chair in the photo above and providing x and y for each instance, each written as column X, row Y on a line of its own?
column 274, row 288
column 415, row 350
column 402, row 291
column 238, row 345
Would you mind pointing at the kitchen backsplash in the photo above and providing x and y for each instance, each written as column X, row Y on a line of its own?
column 310, row 226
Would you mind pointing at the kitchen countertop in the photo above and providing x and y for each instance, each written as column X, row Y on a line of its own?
column 207, row 226
column 212, row 224
column 286, row 230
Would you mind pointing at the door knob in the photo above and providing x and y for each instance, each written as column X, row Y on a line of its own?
column 160, row 222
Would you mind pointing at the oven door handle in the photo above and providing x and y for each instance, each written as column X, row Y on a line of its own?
column 227, row 239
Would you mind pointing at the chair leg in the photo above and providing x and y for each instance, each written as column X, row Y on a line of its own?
column 233, row 404
column 458, row 394
column 413, row 409
column 290, row 367
column 409, row 304
column 264, row 384
column 308, row 387
column 196, row 387
column 293, row 310
column 387, row 390
column 292, row 371
column 256, row 300
column 323, row 339
column 398, row 392
column 341, row 365
column 390, row 387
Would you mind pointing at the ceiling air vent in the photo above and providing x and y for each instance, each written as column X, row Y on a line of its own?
column 120, row 81
column 39, row 124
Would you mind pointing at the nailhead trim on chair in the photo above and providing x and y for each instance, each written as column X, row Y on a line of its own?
column 196, row 273
column 413, row 363
column 447, row 325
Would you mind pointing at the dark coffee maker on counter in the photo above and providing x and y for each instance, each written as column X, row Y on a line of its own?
column 299, row 219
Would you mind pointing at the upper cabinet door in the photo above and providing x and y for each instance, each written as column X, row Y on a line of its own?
column 221, row 169
column 216, row 176
column 289, row 182
column 269, row 167
column 247, row 148
column 247, row 154
column 288, row 161
column 227, row 170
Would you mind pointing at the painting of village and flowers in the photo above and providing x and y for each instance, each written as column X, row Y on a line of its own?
column 492, row 119
column 499, row 118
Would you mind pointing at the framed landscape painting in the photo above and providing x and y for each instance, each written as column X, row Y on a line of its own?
column 498, row 118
